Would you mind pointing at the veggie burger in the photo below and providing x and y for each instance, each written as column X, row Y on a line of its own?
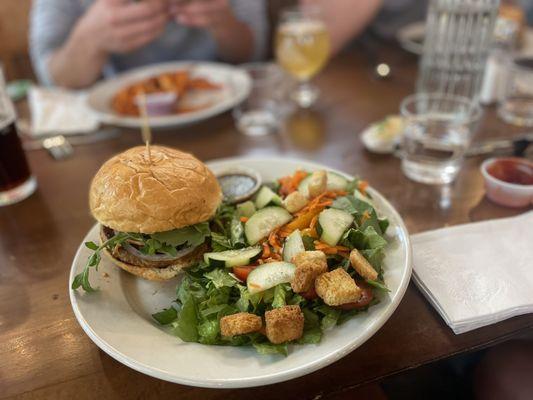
column 153, row 211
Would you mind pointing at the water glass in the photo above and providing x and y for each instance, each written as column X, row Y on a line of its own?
column 457, row 41
column 260, row 113
column 517, row 105
column 438, row 130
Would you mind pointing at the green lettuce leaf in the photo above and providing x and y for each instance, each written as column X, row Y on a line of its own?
column 220, row 278
column 280, row 292
column 193, row 235
column 165, row 316
column 311, row 336
column 185, row 327
column 270, row 348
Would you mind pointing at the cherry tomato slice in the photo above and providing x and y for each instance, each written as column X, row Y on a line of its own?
column 310, row 294
column 364, row 300
column 243, row 272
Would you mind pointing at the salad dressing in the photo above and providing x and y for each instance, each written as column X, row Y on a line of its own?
column 237, row 186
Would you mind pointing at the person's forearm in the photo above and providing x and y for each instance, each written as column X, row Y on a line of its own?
column 78, row 63
column 234, row 40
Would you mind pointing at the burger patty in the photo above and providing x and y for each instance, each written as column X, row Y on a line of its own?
column 125, row 256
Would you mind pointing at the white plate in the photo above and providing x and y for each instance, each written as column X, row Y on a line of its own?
column 117, row 317
column 411, row 39
column 235, row 82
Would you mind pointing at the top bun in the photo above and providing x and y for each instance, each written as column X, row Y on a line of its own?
column 174, row 190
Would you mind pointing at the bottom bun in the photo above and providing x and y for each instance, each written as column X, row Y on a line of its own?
column 160, row 274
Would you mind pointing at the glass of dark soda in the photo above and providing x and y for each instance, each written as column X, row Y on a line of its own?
column 16, row 180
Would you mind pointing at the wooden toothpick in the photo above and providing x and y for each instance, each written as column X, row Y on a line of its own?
column 145, row 127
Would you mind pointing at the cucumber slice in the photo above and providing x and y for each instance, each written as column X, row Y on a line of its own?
column 269, row 275
column 266, row 197
column 233, row 258
column 246, row 209
column 358, row 195
column 293, row 246
column 335, row 182
column 333, row 223
column 265, row 221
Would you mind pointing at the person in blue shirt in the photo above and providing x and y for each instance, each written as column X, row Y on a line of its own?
column 73, row 43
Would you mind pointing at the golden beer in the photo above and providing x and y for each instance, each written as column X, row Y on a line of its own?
column 302, row 47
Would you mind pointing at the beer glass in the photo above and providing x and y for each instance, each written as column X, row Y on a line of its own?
column 302, row 48
column 16, row 181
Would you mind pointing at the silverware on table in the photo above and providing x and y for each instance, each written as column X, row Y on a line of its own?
column 51, row 143
column 516, row 146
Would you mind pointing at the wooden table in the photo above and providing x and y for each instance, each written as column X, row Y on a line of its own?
column 45, row 354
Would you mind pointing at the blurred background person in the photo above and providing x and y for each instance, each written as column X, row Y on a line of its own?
column 75, row 42
column 348, row 19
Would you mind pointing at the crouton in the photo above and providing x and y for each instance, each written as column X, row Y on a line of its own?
column 309, row 265
column 284, row 324
column 318, row 183
column 337, row 287
column 240, row 324
column 294, row 202
column 362, row 266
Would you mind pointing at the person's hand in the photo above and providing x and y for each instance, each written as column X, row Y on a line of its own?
column 122, row 26
column 206, row 14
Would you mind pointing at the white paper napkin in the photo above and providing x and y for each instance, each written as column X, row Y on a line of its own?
column 58, row 111
column 477, row 274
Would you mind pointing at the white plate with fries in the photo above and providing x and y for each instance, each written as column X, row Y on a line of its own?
column 118, row 316
column 228, row 86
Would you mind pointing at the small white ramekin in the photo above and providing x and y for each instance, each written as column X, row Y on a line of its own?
column 505, row 193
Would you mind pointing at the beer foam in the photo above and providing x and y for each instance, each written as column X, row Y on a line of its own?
column 302, row 27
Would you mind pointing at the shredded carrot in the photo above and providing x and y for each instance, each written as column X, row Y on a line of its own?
column 327, row 249
column 310, row 232
column 290, row 183
column 313, row 222
column 273, row 241
column 244, row 219
column 266, row 250
column 300, row 222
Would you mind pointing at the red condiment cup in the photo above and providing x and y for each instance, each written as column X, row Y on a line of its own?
column 506, row 193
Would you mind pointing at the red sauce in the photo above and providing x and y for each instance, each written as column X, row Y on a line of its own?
column 512, row 170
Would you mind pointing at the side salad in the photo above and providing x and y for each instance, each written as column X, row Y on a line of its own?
column 305, row 255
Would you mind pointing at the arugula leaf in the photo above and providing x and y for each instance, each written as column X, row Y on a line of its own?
column 189, row 288
column 219, row 242
column 82, row 279
column 193, row 235
column 270, row 348
column 165, row 316
column 220, row 278
column 378, row 285
column 185, row 327
column 91, row 245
